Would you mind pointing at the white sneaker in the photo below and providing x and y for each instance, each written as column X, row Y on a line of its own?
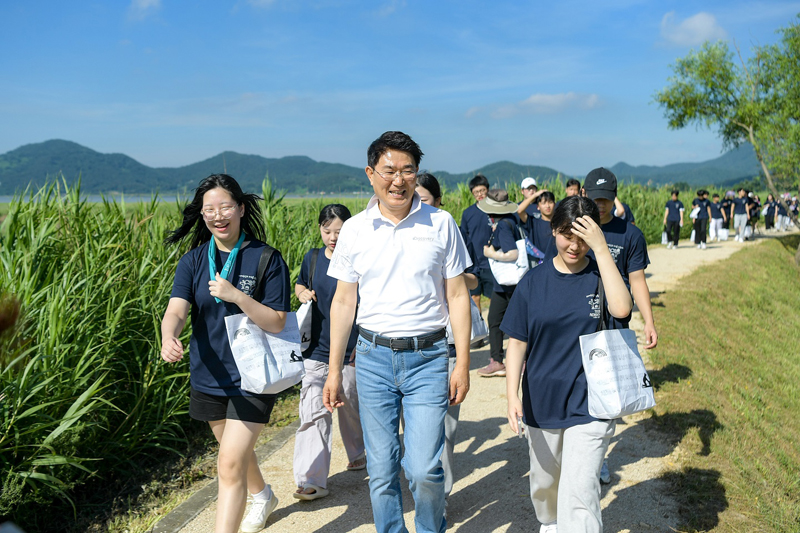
column 260, row 510
column 605, row 475
column 669, row 245
column 703, row 245
column 699, row 246
column 549, row 528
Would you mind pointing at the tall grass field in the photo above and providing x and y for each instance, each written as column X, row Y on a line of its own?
column 84, row 395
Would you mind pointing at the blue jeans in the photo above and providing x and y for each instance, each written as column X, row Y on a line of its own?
column 417, row 380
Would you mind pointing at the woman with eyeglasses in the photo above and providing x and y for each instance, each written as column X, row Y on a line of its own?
column 216, row 278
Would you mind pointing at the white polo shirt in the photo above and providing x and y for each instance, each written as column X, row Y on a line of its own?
column 400, row 269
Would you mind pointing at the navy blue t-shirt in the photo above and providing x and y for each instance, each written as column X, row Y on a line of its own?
column 533, row 210
column 476, row 228
column 505, row 239
column 771, row 208
column 703, row 205
column 549, row 311
column 212, row 369
column 325, row 287
column 541, row 235
column 740, row 206
column 716, row 210
column 674, row 208
column 627, row 246
column 628, row 216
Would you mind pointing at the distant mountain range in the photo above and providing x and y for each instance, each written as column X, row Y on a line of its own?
column 35, row 164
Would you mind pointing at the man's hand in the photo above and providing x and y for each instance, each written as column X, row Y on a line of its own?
column 332, row 392
column 459, row 385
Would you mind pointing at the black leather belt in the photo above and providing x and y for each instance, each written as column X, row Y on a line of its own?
column 404, row 343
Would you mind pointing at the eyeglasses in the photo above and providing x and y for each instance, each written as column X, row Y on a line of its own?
column 226, row 212
column 407, row 174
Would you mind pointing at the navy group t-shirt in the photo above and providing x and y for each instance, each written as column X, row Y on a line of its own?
column 476, row 228
column 740, row 206
column 541, row 235
column 674, row 208
column 627, row 246
column 325, row 287
column 533, row 210
column 212, row 369
column 505, row 238
column 703, row 205
column 549, row 311
column 716, row 210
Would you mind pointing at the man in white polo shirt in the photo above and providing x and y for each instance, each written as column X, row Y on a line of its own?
column 405, row 259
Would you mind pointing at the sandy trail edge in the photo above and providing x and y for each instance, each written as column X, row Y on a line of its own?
column 491, row 491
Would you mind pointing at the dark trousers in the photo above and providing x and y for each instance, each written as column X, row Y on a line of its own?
column 769, row 221
column 700, row 230
column 673, row 231
column 497, row 310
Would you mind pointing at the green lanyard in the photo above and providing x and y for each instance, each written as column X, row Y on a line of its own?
column 226, row 269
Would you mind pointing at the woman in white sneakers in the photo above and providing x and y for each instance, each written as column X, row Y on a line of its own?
column 218, row 277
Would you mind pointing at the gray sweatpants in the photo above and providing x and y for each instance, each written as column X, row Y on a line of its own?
column 739, row 223
column 312, row 444
column 565, row 470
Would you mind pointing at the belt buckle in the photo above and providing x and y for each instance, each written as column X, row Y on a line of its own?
column 391, row 341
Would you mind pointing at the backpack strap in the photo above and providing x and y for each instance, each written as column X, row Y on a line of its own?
column 263, row 262
column 313, row 268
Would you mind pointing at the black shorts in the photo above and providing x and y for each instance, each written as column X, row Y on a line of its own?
column 485, row 283
column 208, row 408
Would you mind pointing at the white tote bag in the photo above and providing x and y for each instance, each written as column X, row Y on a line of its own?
column 691, row 237
column 268, row 363
column 723, row 234
column 664, row 238
column 510, row 272
column 479, row 328
column 304, row 314
column 616, row 379
column 694, row 212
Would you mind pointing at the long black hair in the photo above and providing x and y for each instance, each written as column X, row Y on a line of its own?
column 252, row 222
column 428, row 181
column 331, row 212
column 570, row 209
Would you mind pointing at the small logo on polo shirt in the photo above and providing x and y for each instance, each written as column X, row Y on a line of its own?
column 596, row 354
column 427, row 239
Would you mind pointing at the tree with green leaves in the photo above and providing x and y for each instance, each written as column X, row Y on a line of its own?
column 755, row 100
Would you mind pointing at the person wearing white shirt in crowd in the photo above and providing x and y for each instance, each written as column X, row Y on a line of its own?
column 405, row 259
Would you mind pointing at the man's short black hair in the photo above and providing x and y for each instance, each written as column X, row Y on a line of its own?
column 715, row 195
column 393, row 140
column 477, row 181
column 573, row 181
column 675, row 192
column 546, row 196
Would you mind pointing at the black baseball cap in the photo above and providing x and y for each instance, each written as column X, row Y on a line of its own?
column 600, row 183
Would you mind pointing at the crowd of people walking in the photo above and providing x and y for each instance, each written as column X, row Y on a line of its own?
column 393, row 291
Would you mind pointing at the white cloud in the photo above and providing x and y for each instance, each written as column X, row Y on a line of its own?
column 141, row 9
column 540, row 104
column 260, row 3
column 390, row 7
column 692, row 31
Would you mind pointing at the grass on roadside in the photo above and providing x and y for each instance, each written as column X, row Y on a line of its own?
column 727, row 370
column 135, row 505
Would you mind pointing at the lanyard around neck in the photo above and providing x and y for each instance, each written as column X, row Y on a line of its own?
column 226, row 269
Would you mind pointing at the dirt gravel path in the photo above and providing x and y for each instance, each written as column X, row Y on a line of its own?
column 491, row 491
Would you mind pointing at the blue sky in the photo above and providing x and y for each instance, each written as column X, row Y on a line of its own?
column 564, row 84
